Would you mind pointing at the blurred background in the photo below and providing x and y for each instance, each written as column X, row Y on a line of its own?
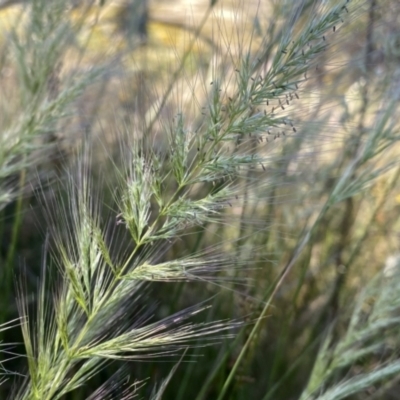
column 157, row 59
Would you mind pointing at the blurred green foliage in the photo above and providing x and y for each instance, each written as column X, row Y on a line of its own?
column 203, row 206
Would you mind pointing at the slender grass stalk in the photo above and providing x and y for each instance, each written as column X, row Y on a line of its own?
column 203, row 188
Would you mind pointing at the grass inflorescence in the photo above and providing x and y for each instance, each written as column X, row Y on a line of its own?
column 230, row 217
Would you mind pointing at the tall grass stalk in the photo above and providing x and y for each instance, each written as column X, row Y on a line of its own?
column 232, row 191
column 32, row 114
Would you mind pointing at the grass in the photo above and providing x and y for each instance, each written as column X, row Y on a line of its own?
column 215, row 227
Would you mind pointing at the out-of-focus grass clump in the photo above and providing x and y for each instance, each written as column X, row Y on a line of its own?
column 210, row 184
